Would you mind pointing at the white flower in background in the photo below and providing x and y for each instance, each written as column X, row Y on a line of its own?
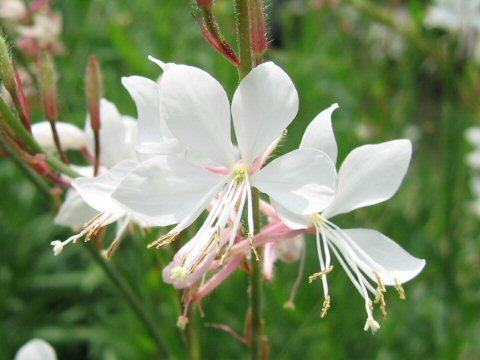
column 369, row 175
column 454, row 15
column 168, row 190
column 90, row 197
column 36, row 349
column 46, row 28
column 12, row 9
column 386, row 42
column 71, row 136
column 472, row 135
column 459, row 17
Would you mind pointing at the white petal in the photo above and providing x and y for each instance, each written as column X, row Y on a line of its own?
column 163, row 66
column 369, row 175
column 319, row 134
column 74, row 211
column 71, row 137
column 303, row 181
column 146, row 95
column 96, row 191
column 292, row 220
column 383, row 252
column 36, row 349
column 147, row 151
column 165, row 189
column 197, row 112
column 264, row 104
column 114, row 145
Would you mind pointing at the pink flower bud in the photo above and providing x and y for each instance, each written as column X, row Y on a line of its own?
column 94, row 91
column 48, row 82
column 202, row 4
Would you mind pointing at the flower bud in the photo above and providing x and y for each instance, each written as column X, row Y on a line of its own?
column 48, row 83
column 94, row 96
column 6, row 67
column 258, row 34
column 202, row 4
column 94, row 91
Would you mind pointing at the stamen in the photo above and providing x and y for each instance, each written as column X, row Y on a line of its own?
column 379, row 297
column 225, row 255
column 163, row 240
column 325, row 307
column 290, row 304
column 401, row 291
column 250, row 239
column 97, row 225
column 204, row 253
column 315, row 276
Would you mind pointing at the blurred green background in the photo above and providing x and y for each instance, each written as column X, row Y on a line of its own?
column 332, row 55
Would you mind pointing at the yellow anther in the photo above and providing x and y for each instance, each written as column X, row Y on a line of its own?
column 325, row 307
column 315, row 276
column 379, row 297
column 250, row 239
column 163, row 240
column 401, row 291
column 225, row 255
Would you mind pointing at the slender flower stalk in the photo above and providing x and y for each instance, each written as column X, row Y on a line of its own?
column 94, row 95
column 48, row 82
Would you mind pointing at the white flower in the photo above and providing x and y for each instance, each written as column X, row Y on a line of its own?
column 169, row 190
column 46, row 28
column 454, row 15
column 90, row 197
column 36, row 349
column 71, row 137
column 461, row 18
column 12, row 9
column 369, row 175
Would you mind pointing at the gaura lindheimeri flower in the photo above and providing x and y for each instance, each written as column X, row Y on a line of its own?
column 370, row 174
column 118, row 135
column 169, row 190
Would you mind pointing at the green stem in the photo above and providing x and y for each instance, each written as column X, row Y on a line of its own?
column 131, row 298
column 20, row 132
column 36, row 179
column 191, row 335
column 256, row 277
column 243, row 38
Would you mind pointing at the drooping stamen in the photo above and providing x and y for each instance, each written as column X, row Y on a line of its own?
column 380, row 298
column 204, row 254
column 290, row 304
column 163, row 240
column 325, row 307
column 315, row 276
column 401, row 291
